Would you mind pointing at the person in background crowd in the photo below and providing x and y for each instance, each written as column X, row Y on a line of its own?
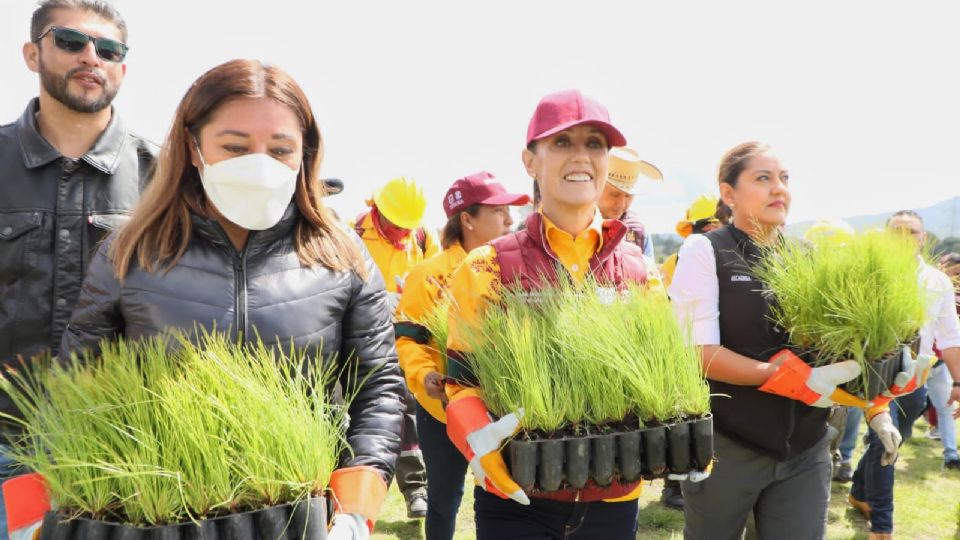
column 70, row 171
column 626, row 168
column 769, row 406
column 568, row 143
column 478, row 211
column 232, row 233
column 873, row 480
column 391, row 231
column 700, row 218
column 950, row 264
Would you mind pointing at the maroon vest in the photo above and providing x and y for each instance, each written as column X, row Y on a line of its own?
column 525, row 257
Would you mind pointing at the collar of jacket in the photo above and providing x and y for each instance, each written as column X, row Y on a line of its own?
column 211, row 231
column 612, row 232
column 748, row 248
column 104, row 155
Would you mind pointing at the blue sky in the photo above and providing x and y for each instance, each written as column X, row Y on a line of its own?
column 860, row 97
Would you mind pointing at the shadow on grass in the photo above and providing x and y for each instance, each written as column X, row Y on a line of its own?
column 403, row 529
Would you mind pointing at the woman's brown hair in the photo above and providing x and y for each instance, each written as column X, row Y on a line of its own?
column 160, row 229
column 453, row 230
column 735, row 160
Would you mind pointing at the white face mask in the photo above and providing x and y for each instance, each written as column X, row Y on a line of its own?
column 252, row 190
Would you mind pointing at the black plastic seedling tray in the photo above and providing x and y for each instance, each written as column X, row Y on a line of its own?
column 880, row 374
column 551, row 462
column 304, row 520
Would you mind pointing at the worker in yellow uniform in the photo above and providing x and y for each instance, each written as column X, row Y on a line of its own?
column 700, row 218
column 392, row 233
column 568, row 144
column 478, row 210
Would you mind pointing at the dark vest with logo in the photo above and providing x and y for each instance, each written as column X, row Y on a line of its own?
column 775, row 425
column 525, row 258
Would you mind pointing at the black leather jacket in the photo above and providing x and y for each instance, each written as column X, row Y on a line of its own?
column 53, row 212
column 263, row 289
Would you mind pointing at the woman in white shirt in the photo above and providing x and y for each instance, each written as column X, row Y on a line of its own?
column 770, row 406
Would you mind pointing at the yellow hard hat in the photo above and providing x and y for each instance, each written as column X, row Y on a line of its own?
column 829, row 233
column 402, row 202
column 704, row 208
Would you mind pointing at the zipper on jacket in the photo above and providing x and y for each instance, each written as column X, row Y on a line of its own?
column 240, row 278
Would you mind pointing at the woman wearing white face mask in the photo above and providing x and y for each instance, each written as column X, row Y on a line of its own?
column 232, row 234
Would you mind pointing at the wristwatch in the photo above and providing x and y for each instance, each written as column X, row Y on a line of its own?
column 956, row 384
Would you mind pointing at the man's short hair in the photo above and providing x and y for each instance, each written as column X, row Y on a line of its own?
column 44, row 13
column 908, row 213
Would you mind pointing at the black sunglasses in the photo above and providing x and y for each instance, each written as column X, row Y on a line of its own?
column 72, row 40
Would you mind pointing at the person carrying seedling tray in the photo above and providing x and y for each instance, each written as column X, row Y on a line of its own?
column 874, row 477
column 770, row 406
column 568, row 141
column 478, row 210
column 232, row 235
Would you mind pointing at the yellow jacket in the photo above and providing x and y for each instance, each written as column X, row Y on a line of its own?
column 393, row 263
column 425, row 287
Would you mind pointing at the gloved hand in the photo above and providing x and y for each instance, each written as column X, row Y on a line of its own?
column 693, row 476
column 358, row 492
column 349, row 527
column 815, row 386
column 889, row 436
column 914, row 373
column 479, row 438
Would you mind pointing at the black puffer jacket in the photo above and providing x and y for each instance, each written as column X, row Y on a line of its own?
column 262, row 288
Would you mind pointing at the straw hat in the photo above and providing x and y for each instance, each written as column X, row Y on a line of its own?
column 626, row 167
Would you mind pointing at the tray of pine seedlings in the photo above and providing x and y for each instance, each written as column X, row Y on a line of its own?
column 857, row 300
column 611, row 391
column 162, row 439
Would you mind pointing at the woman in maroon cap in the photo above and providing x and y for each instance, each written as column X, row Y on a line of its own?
column 478, row 211
column 568, row 141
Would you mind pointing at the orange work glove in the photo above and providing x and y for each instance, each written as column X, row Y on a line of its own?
column 358, row 495
column 815, row 386
column 26, row 500
column 479, row 438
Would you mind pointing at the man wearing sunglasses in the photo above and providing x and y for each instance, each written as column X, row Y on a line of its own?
column 69, row 173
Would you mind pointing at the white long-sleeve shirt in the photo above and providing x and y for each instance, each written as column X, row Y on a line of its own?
column 943, row 326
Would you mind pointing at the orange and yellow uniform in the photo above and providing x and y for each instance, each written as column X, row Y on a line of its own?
column 392, row 262
column 425, row 288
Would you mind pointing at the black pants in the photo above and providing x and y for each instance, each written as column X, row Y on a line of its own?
column 503, row 519
column 411, row 473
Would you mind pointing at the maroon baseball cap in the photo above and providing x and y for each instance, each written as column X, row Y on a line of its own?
column 479, row 188
column 565, row 109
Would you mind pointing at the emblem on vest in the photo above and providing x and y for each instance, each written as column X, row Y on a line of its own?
column 735, row 277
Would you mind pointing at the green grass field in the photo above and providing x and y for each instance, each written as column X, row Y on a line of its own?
column 927, row 504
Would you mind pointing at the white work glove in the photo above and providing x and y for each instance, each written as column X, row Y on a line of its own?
column 692, row 476
column 349, row 527
column 889, row 436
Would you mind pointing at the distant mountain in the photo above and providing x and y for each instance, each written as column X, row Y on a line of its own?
column 942, row 219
